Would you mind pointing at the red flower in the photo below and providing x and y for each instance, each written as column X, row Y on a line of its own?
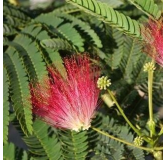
column 68, row 102
column 153, row 35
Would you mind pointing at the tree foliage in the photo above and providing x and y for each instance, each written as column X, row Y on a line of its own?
column 35, row 39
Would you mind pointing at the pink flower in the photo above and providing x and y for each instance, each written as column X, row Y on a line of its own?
column 68, row 102
column 153, row 35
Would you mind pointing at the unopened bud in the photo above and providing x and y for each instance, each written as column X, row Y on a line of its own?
column 108, row 100
column 103, row 82
column 149, row 67
column 158, row 155
column 138, row 141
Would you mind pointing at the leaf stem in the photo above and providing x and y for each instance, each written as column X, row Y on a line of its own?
column 150, row 78
column 161, row 132
column 151, row 121
column 124, row 116
column 128, row 143
column 73, row 11
column 140, row 8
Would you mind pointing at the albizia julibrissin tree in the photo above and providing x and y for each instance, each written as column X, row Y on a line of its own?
column 70, row 101
column 34, row 39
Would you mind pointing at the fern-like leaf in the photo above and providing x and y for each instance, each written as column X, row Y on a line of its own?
column 5, row 106
column 49, row 19
column 113, row 60
column 113, row 3
column 50, row 53
column 83, row 26
column 56, row 44
column 109, row 15
column 67, row 8
column 8, row 30
column 74, row 144
column 65, row 31
column 71, row 34
column 113, row 149
column 148, row 7
column 41, row 146
column 34, row 56
column 24, row 56
column 9, row 151
column 19, row 90
column 132, row 53
column 15, row 12
column 36, row 31
column 14, row 16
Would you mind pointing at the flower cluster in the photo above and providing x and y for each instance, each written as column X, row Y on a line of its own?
column 153, row 35
column 138, row 141
column 103, row 82
column 149, row 67
column 68, row 102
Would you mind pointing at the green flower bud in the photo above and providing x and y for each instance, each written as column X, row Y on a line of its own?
column 138, row 141
column 103, row 82
column 108, row 100
column 149, row 67
column 158, row 155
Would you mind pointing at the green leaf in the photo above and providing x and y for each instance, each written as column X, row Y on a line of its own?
column 132, row 53
column 75, row 22
column 25, row 58
column 19, row 90
column 114, row 59
column 39, row 34
column 65, row 31
column 41, row 145
column 49, row 19
column 5, row 106
column 8, row 30
column 74, row 144
column 148, row 7
column 72, row 35
column 67, row 8
column 14, row 12
column 36, row 31
column 56, row 60
column 56, row 44
column 14, row 16
column 110, row 16
column 127, row 57
column 34, row 56
column 9, row 151
column 20, row 154
column 113, row 3
column 113, row 149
